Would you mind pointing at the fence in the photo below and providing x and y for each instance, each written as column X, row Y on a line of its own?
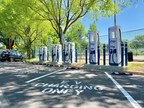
column 128, row 36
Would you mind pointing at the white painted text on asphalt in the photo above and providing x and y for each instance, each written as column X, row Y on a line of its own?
column 65, row 87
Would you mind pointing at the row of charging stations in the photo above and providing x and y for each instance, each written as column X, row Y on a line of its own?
column 69, row 53
column 114, row 48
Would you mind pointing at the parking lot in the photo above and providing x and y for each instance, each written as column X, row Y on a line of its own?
column 35, row 86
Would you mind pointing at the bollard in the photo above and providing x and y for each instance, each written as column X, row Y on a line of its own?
column 63, row 55
column 126, row 54
column 71, row 55
column 48, row 55
column 57, row 55
column 98, row 55
column 43, row 55
column 104, row 54
column 76, row 54
column 52, row 56
column 122, row 54
column 86, row 54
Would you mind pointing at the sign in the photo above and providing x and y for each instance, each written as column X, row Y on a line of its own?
column 14, row 46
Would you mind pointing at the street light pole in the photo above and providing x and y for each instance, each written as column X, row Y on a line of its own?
column 115, row 14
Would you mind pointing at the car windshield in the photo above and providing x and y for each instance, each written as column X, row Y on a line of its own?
column 13, row 52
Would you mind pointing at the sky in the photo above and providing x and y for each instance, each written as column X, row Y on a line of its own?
column 131, row 18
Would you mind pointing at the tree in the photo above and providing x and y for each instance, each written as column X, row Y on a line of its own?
column 93, row 27
column 64, row 13
column 72, row 34
column 19, row 22
column 137, row 43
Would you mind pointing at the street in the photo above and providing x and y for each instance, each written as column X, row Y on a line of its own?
column 38, row 86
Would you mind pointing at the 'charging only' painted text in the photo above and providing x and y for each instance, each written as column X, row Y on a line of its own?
column 65, row 87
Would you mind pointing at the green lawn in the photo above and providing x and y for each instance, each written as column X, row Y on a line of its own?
column 136, row 67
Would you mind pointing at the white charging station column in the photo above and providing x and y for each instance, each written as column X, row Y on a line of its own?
column 57, row 53
column 114, row 38
column 93, row 47
column 43, row 53
column 69, row 52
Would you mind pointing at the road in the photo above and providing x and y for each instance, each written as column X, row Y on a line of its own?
column 35, row 86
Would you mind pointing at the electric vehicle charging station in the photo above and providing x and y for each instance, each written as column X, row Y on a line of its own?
column 114, row 43
column 69, row 52
column 57, row 53
column 43, row 53
column 93, row 47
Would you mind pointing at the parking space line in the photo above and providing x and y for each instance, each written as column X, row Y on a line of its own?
column 44, row 75
column 125, row 93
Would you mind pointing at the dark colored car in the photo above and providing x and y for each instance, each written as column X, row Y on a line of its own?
column 11, row 55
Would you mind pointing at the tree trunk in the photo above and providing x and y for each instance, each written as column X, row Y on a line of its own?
column 29, row 51
column 60, row 37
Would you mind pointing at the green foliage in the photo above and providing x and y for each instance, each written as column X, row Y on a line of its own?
column 72, row 34
column 92, row 27
column 62, row 14
column 21, row 23
column 32, row 22
column 137, row 42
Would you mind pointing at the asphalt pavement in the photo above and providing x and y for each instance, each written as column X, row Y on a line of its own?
column 35, row 86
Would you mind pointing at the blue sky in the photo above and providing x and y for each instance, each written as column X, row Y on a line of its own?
column 131, row 18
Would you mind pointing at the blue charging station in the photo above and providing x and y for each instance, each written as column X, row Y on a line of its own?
column 57, row 53
column 69, row 52
column 93, row 47
column 114, row 45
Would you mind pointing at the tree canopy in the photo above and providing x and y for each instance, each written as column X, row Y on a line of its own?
column 137, row 42
column 64, row 13
column 36, row 20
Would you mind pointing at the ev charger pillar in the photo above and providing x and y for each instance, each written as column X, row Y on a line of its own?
column 43, row 53
column 114, row 43
column 69, row 52
column 93, row 47
column 57, row 53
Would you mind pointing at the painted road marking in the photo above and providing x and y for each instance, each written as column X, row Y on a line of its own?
column 125, row 93
column 44, row 75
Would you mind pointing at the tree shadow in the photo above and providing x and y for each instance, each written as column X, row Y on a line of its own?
column 22, row 95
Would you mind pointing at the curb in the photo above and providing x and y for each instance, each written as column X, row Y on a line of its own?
column 91, row 66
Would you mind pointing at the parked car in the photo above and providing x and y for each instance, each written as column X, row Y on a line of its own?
column 11, row 55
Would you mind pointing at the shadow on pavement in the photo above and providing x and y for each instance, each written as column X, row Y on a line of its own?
column 22, row 95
